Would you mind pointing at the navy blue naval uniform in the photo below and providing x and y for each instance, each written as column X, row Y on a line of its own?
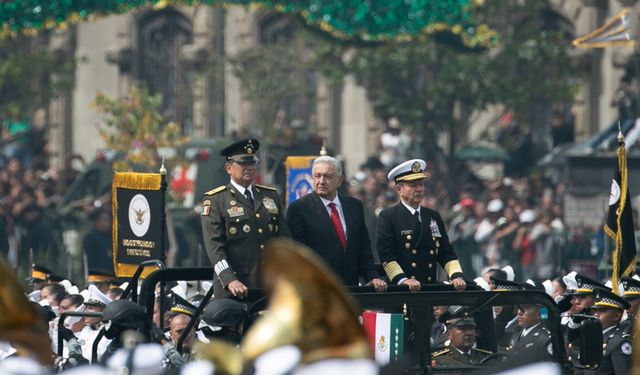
column 410, row 248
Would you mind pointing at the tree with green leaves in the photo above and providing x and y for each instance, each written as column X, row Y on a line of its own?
column 433, row 86
column 135, row 128
column 30, row 76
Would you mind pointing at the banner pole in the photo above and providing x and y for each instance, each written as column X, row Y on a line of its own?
column 163, row 221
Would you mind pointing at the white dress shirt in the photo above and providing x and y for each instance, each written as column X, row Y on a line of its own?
column 413, row 210
column 241, row 189
column 338, row 204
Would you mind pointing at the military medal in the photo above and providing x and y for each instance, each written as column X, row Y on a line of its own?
column 246, row 228
column 435, row 231
column 270, row 205
column 235, row 211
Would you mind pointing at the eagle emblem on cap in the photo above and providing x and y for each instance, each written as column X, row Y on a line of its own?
column 415, row 167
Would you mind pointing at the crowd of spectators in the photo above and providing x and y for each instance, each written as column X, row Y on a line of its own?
column 29, row 189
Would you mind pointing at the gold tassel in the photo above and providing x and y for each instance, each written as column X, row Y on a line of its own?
column 137, row 181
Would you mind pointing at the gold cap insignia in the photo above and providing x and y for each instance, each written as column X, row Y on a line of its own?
column 415, row 167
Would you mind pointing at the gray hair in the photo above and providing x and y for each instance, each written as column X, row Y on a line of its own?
column 329, row 160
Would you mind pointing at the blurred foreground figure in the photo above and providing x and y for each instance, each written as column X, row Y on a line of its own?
column 311, row 326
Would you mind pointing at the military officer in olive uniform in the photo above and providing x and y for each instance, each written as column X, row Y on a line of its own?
column 460, row 351
column 616, row 344
column 237, row 220
column 411, row 239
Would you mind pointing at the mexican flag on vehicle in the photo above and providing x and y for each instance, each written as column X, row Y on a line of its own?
column 386, row 335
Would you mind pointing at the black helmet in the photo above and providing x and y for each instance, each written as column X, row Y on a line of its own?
column 122, row 315
column 224, row 312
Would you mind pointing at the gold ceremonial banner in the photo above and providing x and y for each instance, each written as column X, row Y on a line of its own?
column 138, row 221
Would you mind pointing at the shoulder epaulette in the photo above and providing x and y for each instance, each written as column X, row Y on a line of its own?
column 266, row 187
column 216, row 190
column 482, row 351
column 441, row 352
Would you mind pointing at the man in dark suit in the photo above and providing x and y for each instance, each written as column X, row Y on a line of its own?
column 237, row 220
column 412, row 239
column 333, row 226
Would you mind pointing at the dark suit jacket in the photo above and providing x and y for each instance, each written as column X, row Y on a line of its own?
column 310, row 224
column 535, row 347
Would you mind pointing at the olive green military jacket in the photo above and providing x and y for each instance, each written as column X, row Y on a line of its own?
column 235, row 232
column 450, row 357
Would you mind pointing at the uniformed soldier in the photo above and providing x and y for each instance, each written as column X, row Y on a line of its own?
column 102, row 279
column 237, row 220
column 411, row 239
column 506, row 320
column 460, row 352
column 582, row 299
column 224, row 319
column 38, row 279
column 531, row 342
column 181, row 314
column 631, row 293
column 616, row 345
column 439, row 329
column 95, row 302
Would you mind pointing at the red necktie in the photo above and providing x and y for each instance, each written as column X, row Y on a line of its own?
column 337, row 225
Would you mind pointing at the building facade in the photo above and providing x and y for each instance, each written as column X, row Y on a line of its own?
column 172, row 50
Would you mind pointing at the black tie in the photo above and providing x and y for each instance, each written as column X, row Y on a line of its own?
column 416, row 214
column 247, row 193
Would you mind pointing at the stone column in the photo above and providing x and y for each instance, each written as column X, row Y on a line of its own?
column 96, row 75
column 357, row 122
column 238, row 34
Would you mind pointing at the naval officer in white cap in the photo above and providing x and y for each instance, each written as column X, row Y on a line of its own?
column 412, row 240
